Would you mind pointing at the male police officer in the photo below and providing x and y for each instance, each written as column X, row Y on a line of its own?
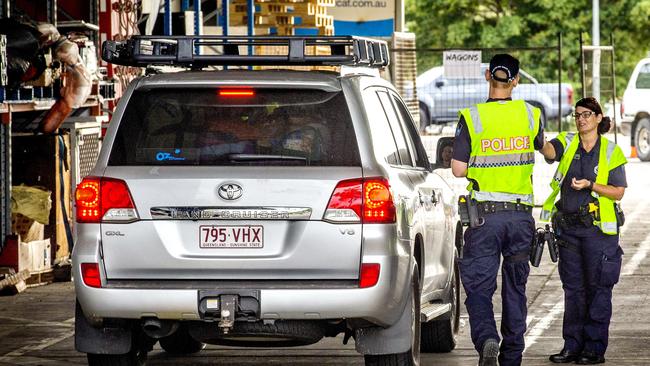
column 494, row 149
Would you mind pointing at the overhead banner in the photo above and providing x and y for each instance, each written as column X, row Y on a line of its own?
column 462, row 64
column 369, row 18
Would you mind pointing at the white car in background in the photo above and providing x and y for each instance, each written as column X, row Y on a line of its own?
column 635, row 109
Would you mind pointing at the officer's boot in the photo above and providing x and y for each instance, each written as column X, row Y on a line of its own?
column 489, row 353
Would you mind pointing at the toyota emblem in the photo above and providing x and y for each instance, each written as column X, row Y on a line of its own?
column 230, row 191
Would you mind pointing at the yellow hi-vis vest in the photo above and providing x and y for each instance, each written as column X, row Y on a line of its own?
column 502, row 152
column 610, row 156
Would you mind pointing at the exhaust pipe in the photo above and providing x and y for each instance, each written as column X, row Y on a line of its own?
column 156, row 328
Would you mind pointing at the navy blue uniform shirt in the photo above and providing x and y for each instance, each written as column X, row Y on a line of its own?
column 583, row 166
column 462, row 143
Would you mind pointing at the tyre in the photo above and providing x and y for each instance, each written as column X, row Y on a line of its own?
column 425, row 119
column 642, row 139
column 133, row 358
column 181, row 343
column 282, row 333
column 439, row 335
column 412, row 356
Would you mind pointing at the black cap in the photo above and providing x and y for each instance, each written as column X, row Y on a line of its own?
column 505, row 63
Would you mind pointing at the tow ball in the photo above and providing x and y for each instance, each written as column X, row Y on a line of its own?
column 228, row 310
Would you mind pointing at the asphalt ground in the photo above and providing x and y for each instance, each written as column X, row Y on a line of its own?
column 37, row 326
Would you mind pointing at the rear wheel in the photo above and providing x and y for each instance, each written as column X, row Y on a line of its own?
column 412, row 356
column 439, row 335
column 642, row 139
column 181, row 343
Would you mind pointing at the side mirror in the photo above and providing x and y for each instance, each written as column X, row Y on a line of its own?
column 440, row 83
column 444, row 152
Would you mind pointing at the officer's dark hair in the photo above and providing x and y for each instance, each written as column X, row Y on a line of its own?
column 592, row 104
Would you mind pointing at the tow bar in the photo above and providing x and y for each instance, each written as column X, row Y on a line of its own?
column 228, row 309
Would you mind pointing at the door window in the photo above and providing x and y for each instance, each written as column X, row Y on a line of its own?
column 412, row 136
column 400, row 140
column 382, row 135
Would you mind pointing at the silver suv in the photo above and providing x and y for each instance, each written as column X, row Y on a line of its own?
column 264, row 208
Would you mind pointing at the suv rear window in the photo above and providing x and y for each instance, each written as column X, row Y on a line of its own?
column 262, row 127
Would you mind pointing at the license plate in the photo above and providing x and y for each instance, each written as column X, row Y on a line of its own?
column 230, row 236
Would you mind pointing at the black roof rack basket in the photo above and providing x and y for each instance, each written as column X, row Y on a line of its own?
column 183, row 51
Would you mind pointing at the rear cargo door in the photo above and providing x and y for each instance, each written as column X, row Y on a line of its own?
column 233, row 184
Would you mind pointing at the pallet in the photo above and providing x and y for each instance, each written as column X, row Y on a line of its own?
column 283, row 50
column 13, row 283
column 293, row 31
column 40, row 278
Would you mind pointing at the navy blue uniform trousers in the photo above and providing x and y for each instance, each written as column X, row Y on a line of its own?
column 590, row 266
column 507, row 233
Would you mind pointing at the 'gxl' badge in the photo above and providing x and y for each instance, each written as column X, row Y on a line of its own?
column 230, row 191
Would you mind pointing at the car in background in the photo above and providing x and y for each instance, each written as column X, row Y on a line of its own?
column 441, row 98
column 635, row 109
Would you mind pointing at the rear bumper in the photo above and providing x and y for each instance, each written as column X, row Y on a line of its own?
column 381, row 304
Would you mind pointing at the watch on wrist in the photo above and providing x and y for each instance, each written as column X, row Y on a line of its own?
column 591, row 185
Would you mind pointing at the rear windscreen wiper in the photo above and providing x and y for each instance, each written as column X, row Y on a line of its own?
column 254, row 157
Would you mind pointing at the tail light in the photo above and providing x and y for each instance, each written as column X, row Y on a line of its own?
column 622, row 109
column 104, row 200
column 369, row 275
column 90, row 275
column 569, row 96
column 368, row 201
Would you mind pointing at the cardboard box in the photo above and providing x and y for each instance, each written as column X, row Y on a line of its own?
column 35, row 256
column 26, row 228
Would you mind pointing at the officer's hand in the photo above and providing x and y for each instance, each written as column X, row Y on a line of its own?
column 579, row 184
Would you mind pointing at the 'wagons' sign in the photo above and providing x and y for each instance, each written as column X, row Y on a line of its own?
column 462, row 64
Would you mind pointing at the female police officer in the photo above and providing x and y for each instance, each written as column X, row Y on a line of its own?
column 589, row 178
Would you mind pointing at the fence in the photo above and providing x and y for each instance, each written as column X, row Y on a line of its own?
column 442, row 93
column 598, row 70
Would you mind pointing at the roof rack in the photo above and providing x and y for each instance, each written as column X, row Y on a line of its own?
column 183, row 51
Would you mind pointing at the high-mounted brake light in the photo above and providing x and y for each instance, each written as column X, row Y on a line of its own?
column 235, row 93
column 368, row 201
column 90, row 275
column 104, row 200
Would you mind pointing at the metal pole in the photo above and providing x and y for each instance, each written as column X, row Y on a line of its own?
column 5, row 10
column 251, row 22
column 167, row 19
column 595, row 36
column 399, row 16
column 582, row 68
column 197, row 24
column 559, row 82
column 5, row 181
column 226, row 17
column 611, row 41
column 51, row 12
